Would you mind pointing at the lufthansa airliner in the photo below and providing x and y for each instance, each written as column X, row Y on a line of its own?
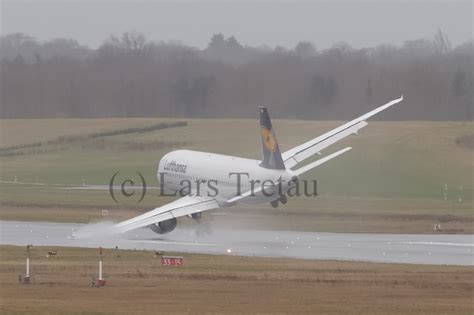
column 206, row 181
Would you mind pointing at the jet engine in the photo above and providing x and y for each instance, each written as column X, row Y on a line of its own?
column 164, row 227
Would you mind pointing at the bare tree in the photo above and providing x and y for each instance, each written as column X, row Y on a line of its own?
column 131, row 76
column 441, row 42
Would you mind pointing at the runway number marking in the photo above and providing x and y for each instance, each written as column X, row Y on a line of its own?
column 172, row 261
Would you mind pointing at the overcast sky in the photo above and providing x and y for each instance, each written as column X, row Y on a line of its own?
column 284, row 23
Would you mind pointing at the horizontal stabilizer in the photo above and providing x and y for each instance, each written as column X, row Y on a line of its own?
column 310, row 166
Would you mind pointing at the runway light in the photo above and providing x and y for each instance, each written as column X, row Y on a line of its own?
column 229, row 251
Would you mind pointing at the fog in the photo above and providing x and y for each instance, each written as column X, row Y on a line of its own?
column 255, row 23
column 309, row 61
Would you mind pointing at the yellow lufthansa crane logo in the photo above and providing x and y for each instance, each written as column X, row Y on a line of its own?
column 269, row 139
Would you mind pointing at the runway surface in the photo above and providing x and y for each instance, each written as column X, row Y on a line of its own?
column 436, row 249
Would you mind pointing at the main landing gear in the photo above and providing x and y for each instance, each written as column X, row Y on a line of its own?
column 282, row 199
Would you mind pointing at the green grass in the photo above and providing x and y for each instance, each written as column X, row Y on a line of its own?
column 394, row 167
column 388, row 160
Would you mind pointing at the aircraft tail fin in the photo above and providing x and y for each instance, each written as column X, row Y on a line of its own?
column 271, row 156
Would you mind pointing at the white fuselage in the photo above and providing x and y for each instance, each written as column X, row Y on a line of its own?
column 215, row 175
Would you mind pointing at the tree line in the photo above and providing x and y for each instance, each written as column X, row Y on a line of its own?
column 130, row 76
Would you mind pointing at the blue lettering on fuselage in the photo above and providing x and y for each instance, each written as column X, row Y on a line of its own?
column 175, row 167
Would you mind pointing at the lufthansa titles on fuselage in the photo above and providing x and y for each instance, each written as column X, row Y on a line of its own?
column 175, row 167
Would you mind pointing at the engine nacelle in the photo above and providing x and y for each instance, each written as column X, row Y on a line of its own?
column 164, row 226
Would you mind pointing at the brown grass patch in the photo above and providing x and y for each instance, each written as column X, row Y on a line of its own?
column 465, row 141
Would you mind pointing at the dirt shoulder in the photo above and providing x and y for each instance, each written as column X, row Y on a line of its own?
column 137, row 283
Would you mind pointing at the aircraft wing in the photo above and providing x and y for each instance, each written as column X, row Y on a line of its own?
column 300, row 153
column 181, row 207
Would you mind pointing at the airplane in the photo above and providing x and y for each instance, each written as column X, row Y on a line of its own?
column 207, row 181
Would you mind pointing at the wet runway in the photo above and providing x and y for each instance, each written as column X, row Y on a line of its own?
column 436, row 249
